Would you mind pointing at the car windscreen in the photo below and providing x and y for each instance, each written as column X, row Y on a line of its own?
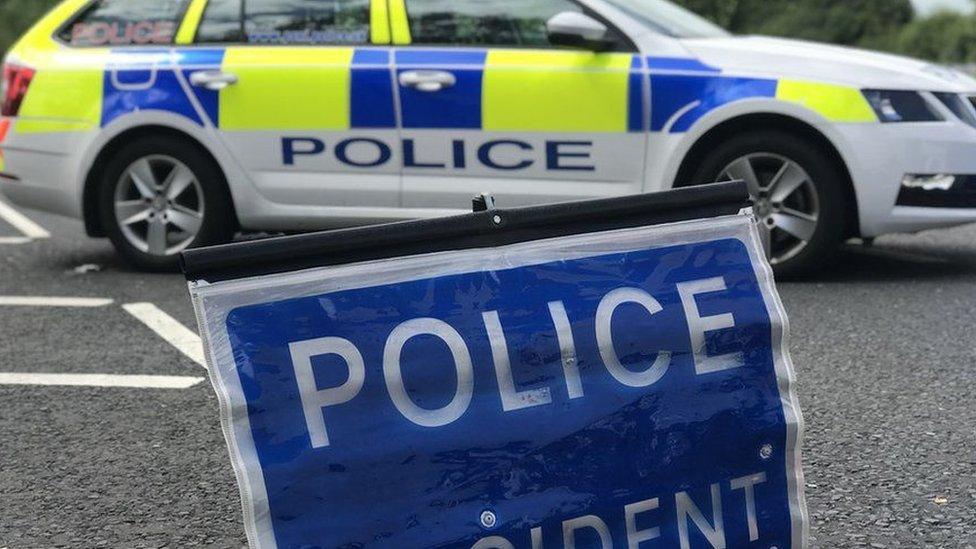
column 670, row 19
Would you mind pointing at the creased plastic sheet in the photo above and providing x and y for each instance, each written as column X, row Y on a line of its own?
column 601, row 390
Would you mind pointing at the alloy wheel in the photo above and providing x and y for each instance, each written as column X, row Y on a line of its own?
column 159, row 205
column 786, row 201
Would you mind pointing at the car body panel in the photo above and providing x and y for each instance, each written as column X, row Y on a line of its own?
column 829, row 63
column 529, row 126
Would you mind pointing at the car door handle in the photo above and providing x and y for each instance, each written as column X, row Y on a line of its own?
column 213, row 80
column 427, row 81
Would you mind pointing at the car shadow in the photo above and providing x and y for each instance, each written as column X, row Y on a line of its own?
column 857, row 263
column 903, row 258
column 99, row 256
column 93, row 261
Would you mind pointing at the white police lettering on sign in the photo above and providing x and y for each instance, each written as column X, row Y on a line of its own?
column 510, row 398
column 575, row 389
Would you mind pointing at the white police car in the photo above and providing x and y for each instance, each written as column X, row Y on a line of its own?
column 166, row 124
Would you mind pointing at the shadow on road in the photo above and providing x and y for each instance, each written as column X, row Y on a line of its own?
column 938, row 255
column 857, row 263
column 105, row 258
column 101, row 253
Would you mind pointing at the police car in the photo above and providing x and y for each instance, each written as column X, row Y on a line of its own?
column 166, row 124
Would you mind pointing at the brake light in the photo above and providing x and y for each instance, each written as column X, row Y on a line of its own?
column 16, row 81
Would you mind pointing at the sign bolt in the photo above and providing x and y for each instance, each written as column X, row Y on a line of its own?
column 497, row 219
column 488, row 519
column 766, row 451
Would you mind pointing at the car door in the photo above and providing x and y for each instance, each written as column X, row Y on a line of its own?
column 489, row 105
column 302, row 96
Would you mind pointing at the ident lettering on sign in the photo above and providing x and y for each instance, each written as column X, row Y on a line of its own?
column 315, row 401
column 687, row 514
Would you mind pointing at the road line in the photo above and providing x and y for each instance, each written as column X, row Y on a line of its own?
column 22, row 223
column 15, row 240
column 31, row 301
column 100, row 380
column 185, row 340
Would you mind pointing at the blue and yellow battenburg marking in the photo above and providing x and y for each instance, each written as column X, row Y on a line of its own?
column 137, row 81
column 353, row 88
column 340, row 88
column 525, row 91
column 685, row 90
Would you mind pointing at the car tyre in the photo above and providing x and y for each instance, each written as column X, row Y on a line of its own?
column 159, row 196
column 799, row 195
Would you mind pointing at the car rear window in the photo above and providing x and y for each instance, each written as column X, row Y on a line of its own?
column 298, row 22
column 125, row 23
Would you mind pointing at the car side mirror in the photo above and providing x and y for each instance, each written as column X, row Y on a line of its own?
column 578, row 30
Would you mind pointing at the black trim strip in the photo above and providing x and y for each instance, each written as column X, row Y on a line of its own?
column 475, row 230
column 962, row 194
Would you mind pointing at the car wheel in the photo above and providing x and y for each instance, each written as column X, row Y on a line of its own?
column 160, row 196
column 798, row 193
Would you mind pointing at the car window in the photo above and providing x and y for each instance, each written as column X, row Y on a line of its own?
column 285, row 22
column 669, row 18
column 125, row 23
column 221, row 23
column 519, row 23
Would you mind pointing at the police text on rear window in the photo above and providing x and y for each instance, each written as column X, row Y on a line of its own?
column 297, row 22
column 125, row 23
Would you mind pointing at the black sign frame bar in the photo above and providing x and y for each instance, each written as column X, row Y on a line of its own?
column 490, row 228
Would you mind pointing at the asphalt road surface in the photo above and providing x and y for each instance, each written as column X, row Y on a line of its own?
column 884, row 346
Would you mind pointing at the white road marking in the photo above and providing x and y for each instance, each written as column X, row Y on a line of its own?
column 31, row 301
column 14, row 240
column 20, row 222
column 168, row 328
column 100, row 380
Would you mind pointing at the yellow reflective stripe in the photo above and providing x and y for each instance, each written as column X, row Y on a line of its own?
column 191, row 22
column 41, row 125
column 833, row 102
column 555, row 91
column 66, row 94
column 39, row 38
column 399, row 22
column 379, row 24
column 283, row 88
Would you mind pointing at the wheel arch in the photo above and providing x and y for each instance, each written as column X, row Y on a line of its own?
column 772, row 121
column 90, row 203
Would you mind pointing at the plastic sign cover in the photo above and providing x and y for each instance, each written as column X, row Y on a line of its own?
column 628, row 389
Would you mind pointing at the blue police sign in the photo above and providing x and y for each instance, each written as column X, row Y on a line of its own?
column 626, row 388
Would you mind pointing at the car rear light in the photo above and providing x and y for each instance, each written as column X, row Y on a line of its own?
column 16, row 81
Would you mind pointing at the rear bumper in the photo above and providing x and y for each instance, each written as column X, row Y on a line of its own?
column 45, row 194
column 42, row 171
column 45, row 199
